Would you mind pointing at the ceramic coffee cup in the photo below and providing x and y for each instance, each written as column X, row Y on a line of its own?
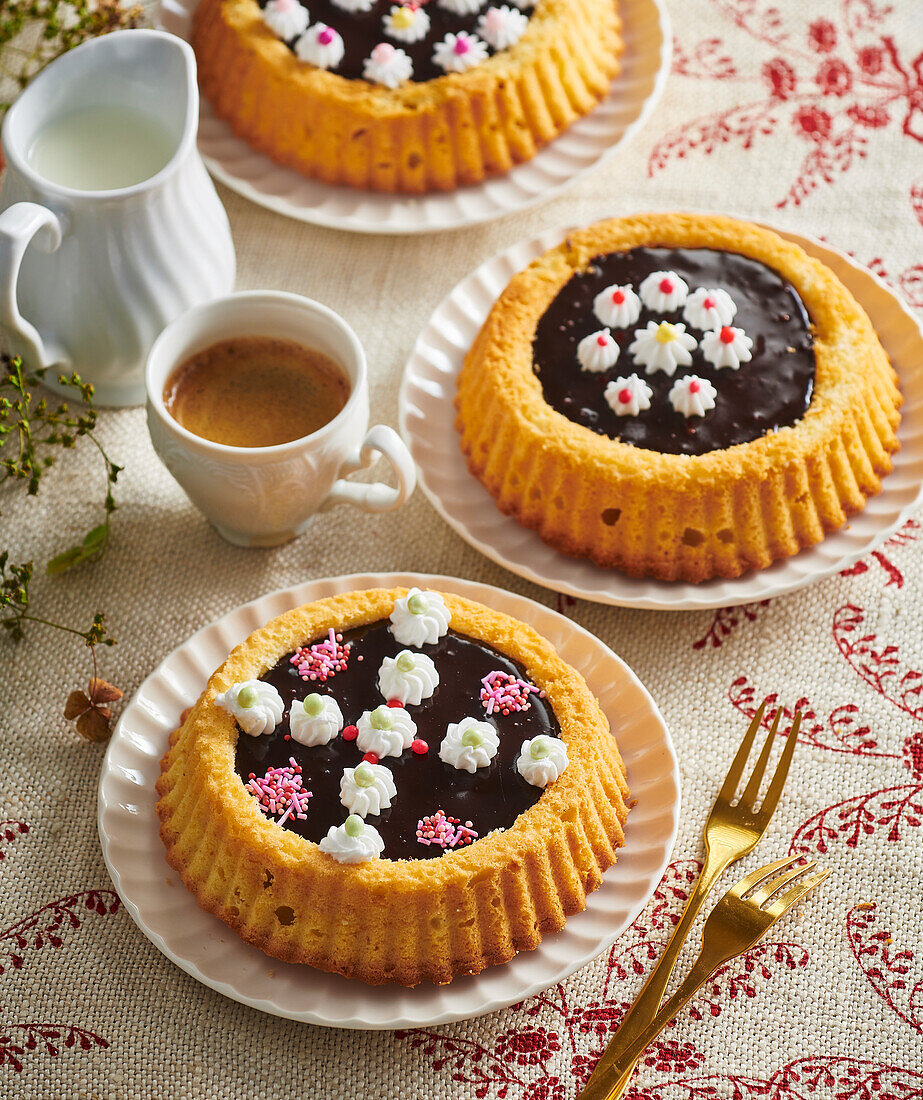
column 263, row 496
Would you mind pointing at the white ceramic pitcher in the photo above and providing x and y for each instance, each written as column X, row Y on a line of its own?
column 88, row 279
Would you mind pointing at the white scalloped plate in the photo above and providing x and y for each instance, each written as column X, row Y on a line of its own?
column 201, row 945
column 590, row 141
column 427, row 420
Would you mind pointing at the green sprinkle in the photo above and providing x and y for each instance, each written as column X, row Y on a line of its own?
column 540, row 748
column 472, row 739
column 406, row 661
column 417, row 604
column 364, row 776
column 354, row 825
column 248, row 696
column 382, row 718
column 314, row 705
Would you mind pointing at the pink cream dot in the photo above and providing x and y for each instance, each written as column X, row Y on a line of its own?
column 694, row 386
column 325, row 36
column 602, row 339
column 708, row 303
column 618, row 297
column 462, row 46
column 666, row 286
column 727, row 335
column 383, row 52
column 625, row 396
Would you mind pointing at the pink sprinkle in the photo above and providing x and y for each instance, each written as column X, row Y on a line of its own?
column 505, row 693
column 326, row 36
column 281, row 791
column 602, row 339
column 446, row 832
column 323, row 659
column 694, row 386
column 618, row 297
column 727, row 335
column 708, row 303
column 625, row 396
column 462, row 45
column 666, row 286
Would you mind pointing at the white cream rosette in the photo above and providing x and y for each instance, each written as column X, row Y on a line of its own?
column 692, row 396
column 367, row 789
column 542, row 760
column 662, row 347
column 419, row 618
column 617, row 306
column 457, row 53
column 663, row 291
column 502, row 27
column 469, row 744
column 628, row 396
column 256, row 705
column 286, row 18
column 406, row 23
column 727, row 347
column 352, row 842
column 385, row 731
column 315, row 720
column 320, row 46
column 709, row 309
column 598, row 351
column 409, row 677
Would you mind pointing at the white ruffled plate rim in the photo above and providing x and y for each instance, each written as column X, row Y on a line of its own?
column 580, row 150
column 202, row 946
column 426, row 415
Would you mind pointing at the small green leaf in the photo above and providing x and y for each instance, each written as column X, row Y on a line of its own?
column 62, row 562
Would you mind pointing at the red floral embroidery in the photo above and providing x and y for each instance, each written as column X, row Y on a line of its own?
column 45, row 926
column 10, row 831
column 853, row 818
column 840, row 732
column 843, row 79
column 48, row 1039
column 528, row 1046
column 887, row 970
column 906, row 535
column 878, row 665
column 725, row 620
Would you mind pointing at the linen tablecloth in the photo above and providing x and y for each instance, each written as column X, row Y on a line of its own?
column 809, row 115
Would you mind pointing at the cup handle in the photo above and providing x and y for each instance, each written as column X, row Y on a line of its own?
column 377, row 497
column 19, row 225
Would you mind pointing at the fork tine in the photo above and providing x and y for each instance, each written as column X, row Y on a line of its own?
column 762, row 873
column 792, row 897
column 766, row 891
column 736, row 769
column 748, row 798
column 778, row 780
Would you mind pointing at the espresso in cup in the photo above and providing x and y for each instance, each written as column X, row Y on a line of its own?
column 256, row 391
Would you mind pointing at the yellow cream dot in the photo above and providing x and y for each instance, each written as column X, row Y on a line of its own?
column 402, row 19
column 666, row 333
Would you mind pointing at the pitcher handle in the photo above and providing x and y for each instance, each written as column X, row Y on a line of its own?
column 377, row 497
column 20, row 224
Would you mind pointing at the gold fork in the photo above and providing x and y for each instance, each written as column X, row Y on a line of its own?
column 733, row 926
column 731, row 832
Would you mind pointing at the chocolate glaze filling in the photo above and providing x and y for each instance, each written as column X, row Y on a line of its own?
column 491, row 798
column 772, row 391
column 362, row 31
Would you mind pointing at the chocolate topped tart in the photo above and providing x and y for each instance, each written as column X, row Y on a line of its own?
column 395, row 786
column 400, row 96
column 678, row 396
column 772, row 390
